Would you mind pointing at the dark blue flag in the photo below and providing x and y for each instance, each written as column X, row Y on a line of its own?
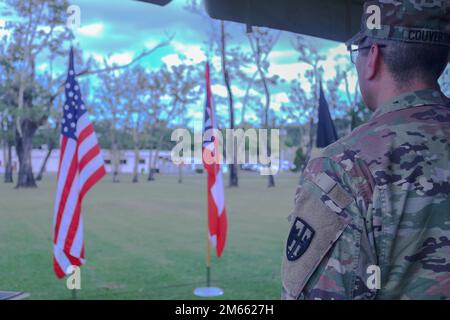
column 326, row 132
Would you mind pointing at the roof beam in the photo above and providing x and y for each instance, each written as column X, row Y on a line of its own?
column 336, row 20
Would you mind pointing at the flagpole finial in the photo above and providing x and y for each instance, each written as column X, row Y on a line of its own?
column 71, row 70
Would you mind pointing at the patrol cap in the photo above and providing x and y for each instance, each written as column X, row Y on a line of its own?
column 416, row 21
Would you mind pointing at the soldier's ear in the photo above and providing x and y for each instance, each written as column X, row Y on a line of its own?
column 373, row 62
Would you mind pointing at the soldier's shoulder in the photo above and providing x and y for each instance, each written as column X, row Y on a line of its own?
column 347, row 162
column 346, row 147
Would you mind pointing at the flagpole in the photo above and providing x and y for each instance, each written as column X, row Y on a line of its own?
column 208, row 291
column 208, row 257
column 208, row 240
column 208, row 246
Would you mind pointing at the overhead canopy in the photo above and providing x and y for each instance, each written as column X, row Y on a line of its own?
column 336, row 20
column 158, row 2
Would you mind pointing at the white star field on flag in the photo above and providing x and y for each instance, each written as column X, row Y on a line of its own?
column 74, row 107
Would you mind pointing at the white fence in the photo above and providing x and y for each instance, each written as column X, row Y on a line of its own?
column 126, row 161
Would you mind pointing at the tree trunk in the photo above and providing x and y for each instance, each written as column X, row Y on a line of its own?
column 44, row 164
column 7, row 155
column 115, row 157
column 136, row 153
column 153, row 160
column 271, row 179
column 24, row 146
column 234, row 181
column 150, row 165
column 136, row 165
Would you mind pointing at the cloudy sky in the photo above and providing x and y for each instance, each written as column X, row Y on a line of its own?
column 121, row 29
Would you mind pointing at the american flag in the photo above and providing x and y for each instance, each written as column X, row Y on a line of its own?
column 80, row 167
column 217, row 217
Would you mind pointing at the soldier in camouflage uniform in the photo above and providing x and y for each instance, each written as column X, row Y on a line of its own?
column 372, row 211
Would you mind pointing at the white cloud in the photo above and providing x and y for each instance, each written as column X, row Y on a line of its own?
column 220, row 90
column 338, row 57
column 3, row 31
column 42, row 67
column 249, row 69
column 289, row 71
column 97, row 57
column 254, row 92
column 216, row 63
column 172, row 60
column 278, row 100
column 150, row 43
column 284, row 55
column 237, row 91
column 91, row 30
column 121, row 58
column 193, row 53
column 341, row 49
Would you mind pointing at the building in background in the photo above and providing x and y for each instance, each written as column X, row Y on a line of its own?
column 163, row 163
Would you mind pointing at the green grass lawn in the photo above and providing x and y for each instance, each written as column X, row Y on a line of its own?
column 147, row 240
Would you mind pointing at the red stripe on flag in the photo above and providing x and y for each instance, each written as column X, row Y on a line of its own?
column 93, row 179
column 74, row 224
column 86, row 132
column 65, row 194
column 91, row 154
column 73, row 227
column 57, row 268
column 74, row 261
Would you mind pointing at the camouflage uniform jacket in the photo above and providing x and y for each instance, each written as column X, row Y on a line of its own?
column 376, row 199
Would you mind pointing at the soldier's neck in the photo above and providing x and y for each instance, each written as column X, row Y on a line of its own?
column 391, row 91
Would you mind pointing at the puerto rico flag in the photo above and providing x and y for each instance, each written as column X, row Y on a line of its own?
column 217, row 218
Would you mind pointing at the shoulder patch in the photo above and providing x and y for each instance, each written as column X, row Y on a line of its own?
column 315, row 228
column 299, row 239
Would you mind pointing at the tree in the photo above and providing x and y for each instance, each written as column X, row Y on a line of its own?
column 299, row 159
column 134, row 80
column 297, row 110
column 182, row 89
column 50, row 129
column 262, row 42
column 35, row 26
column 6, row 116
column 233, row 177
column 110, row 107
column 311, row 57
column 154, row 136
column 218, row 38
column 7, row 138
column 50, row 132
